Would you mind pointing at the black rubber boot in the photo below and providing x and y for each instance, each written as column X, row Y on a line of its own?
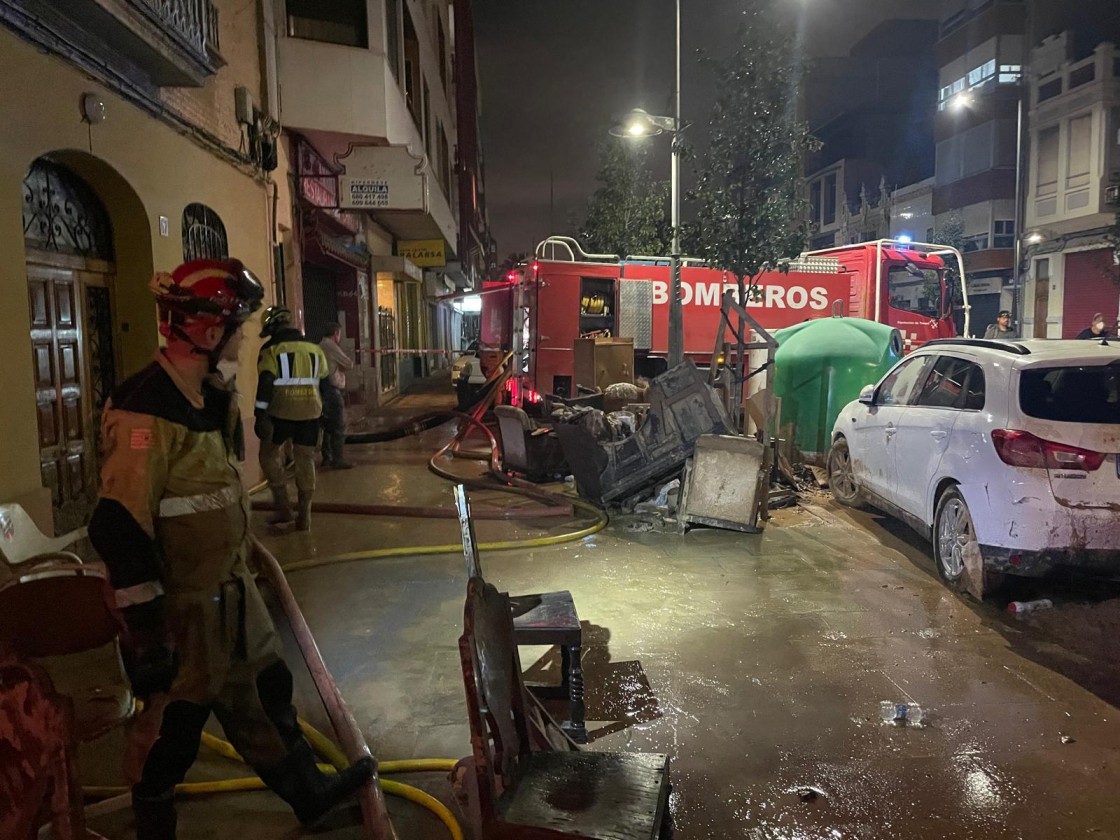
column 311, row 792
column 155, row 818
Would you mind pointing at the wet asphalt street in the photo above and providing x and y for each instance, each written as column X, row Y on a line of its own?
column 757, row 662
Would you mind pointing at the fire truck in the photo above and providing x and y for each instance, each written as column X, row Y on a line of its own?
column 540, row 309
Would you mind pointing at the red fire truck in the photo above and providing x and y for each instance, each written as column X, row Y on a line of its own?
column 564, row 294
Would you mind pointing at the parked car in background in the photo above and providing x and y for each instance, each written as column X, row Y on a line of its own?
column 1009, row 447
column 466, row 375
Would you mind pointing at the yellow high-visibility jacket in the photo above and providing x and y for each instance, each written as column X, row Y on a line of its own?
column 289, row 370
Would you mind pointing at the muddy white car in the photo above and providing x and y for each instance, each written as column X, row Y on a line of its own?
column 1011, row 448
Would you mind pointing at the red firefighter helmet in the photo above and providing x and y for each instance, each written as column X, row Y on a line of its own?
column 224, row 292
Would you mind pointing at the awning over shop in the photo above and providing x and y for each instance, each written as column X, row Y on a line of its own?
column 322, row 244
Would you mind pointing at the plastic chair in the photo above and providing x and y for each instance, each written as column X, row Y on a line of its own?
column 54, row 605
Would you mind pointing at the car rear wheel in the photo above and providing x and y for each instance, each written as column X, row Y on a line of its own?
column 841, row 476
column 954, row 541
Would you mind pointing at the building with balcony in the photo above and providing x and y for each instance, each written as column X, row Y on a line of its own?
column 126, row 147
column 385, row 207
column 871, row 111
column 1072, row 182
column 985, row 136
column 980, row 64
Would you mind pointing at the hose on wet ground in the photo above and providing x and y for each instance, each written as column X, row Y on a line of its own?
column 486, row 393
column 501, row 482
column 336, row 761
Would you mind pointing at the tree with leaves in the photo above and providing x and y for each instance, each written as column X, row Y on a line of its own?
column 750, row 207
column 627, row 213
column 949, row 232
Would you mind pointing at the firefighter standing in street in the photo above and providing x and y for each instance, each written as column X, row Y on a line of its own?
column 288, row 407
column 172, row 526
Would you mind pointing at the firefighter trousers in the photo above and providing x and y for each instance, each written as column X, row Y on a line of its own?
column 305, row 437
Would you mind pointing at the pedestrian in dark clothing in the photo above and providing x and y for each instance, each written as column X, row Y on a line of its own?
column 1001, row 329
column 1097, row 328
column 331, row 388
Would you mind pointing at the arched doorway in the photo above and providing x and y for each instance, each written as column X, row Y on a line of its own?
column 68, row 237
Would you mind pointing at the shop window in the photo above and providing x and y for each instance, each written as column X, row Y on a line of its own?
column 332, row 21
column 204, row 234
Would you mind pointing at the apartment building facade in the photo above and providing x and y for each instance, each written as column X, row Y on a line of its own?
column 137, row 134
column 385, row 210
column 1072, row 189
column 121, row 153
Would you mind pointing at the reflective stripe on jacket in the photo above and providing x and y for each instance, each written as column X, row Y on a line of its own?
column 289, row 369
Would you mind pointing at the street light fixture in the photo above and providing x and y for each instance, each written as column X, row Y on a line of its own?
column 642, row 124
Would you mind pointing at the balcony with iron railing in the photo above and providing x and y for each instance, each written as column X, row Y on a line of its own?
column 173, row 43
column 192, row 22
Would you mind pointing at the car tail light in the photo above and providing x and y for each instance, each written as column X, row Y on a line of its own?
column 1022, row 449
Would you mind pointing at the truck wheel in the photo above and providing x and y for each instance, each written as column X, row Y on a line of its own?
column 841, row 477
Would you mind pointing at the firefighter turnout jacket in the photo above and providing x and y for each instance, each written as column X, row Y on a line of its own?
column 289, row 369
column 173, row 521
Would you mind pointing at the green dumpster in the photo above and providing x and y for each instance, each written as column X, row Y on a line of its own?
column 822, row 365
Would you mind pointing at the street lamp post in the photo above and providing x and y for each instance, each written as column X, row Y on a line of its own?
column 676, row 315
column 641, row 124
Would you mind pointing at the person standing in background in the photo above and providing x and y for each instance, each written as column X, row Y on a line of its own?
column 1001, row 329
column 1097, row 328
column 334, row 407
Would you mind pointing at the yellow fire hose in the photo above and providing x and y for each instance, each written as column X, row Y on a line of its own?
column 474, row 418
column 337, row 761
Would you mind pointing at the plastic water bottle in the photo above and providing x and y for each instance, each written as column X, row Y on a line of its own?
column 1020, row 607
column 900, row 714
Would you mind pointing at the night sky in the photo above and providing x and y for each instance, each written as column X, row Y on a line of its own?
column 556, row 74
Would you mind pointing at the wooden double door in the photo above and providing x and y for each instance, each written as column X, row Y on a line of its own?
column 75, row 368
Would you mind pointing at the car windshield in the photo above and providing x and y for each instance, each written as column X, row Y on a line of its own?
column 914, row 289
column 1071, row 394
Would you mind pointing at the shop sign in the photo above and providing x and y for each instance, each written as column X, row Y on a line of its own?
column 366, row 193
column 985, row 286
column 425, row 253
column 318, row 182
column 383, row 178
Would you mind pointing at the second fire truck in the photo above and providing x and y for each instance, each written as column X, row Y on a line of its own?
column 565, row 294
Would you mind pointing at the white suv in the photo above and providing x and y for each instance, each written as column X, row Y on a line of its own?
column 1009, row 445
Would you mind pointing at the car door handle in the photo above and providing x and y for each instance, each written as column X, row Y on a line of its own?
column 891, row 430
column 938, row 434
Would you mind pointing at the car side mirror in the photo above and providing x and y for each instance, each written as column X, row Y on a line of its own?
column 867, row 395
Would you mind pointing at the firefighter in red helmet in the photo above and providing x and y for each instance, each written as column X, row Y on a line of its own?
column 172, row 525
